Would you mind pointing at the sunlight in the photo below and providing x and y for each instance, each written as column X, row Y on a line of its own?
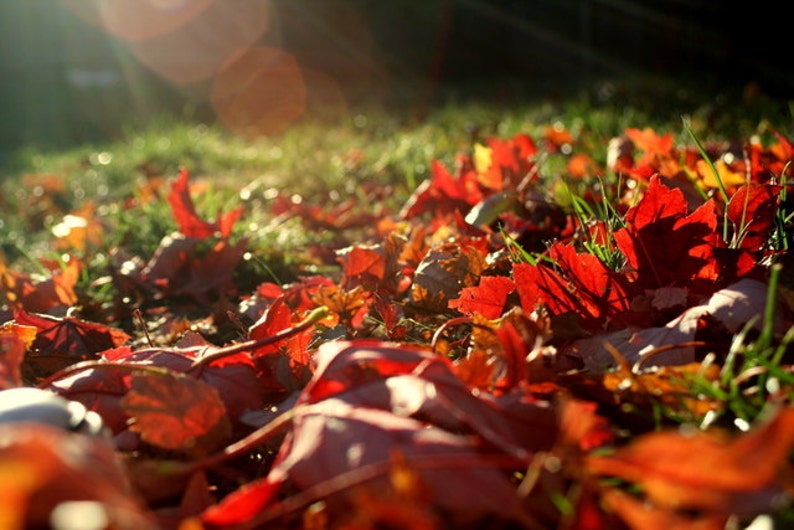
column 232, row 56
column 259, row 92
column 183, row 42
column 138, row 20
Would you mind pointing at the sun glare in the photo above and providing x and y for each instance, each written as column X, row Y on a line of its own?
column 229, row 54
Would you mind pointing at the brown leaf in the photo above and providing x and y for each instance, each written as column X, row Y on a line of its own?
column 668, row 385
column 443, row 272
column 176, row 412
column 733, row 307
column 347, row 306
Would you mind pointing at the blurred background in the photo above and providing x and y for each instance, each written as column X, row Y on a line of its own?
column 75, row 71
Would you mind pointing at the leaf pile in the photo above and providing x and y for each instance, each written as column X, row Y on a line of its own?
column 606, row 346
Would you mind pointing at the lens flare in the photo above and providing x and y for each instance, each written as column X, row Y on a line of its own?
column 137, row 20
column 183, row 41
column 259, row 92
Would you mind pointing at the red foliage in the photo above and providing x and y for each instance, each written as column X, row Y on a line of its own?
column 577, row 283
column 188, row 221
column 665, row 245
column 487, row 299
column 474, row 360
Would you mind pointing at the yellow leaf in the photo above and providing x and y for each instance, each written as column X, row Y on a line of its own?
column 728, row 177
column 482, row 158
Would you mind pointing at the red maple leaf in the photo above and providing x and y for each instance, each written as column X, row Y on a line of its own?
column 507, row 343
column 363, row 265
column 390, row 315
column 443, row 193
column 370, row 399
column 188, row 221
column 176, row 412
column 63, row 341
column 511, row 162
column 772, row 163
column 665, row 245
column 577, row 283
column 283, row 365
column 101, row 388
column 70, row 335
column 752, row 210
column 335, row 217
column 180, row 266
column 276, row 318
column 487, row 299
column 650, row 143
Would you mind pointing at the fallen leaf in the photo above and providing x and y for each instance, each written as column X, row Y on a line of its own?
column 733, row 307
column 45, row 471
column 700, row 471
column 188, row 221
column 15, row 339
column 487, row 299
column 41, row 295
column 176, row 412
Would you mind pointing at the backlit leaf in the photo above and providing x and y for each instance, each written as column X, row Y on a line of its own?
column 665, row 244
column 15, row 339
column 702, row 471
column 176, row 412
column 752, row 209
column 487, row 299
column 188, row 221
column 41, row 295
column 583, row 285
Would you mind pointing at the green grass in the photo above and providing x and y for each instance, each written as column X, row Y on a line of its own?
column 327, row 161
column 330, row 162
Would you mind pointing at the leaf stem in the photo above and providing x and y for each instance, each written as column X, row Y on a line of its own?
column 312, row 318
column 256, row 438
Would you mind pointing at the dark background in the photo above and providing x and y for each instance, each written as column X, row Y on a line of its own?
column 419, row 52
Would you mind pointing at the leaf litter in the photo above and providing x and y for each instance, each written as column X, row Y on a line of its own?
column 493, row 354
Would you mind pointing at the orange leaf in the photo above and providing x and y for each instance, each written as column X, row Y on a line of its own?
column 639, row 516
column 22, row 291
column 14, row 341
column 80, row 229
column 582, row 166
column 701, row 471
column 346, row 305
column 651, row 143
column 176, row 412
column 476, row 370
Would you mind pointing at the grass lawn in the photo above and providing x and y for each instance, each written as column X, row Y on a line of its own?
column 327, row 160
column 552, row 257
